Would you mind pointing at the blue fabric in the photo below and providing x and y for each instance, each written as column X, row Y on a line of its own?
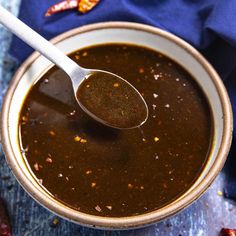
column 209, row 25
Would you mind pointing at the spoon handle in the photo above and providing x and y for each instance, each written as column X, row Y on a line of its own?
column 37, row 42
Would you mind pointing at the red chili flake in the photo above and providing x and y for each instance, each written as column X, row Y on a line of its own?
column 82, row 5
column 228, row 232
column 5, row 228
column 52, row 133
column 141, row 70
column 98, row 208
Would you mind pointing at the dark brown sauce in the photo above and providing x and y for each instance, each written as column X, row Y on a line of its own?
column 109, row 172
column 112, row 101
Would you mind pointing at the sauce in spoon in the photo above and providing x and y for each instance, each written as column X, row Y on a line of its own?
column 112, row 101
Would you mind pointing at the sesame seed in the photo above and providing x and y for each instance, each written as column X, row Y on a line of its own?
column 49, row 160
column 130, row 186
column 155, row 95
column 156, row 139
column 77, row 138
column 72, row 113
column 88, row 172
column 167, row 105
column 36, row 166
column 109, row 207
column 24, row 118
column 82, row 140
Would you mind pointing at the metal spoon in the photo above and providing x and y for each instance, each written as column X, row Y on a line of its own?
column 79, row 75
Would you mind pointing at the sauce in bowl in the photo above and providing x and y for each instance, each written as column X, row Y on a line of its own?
column 112, row 101
column 108, row 172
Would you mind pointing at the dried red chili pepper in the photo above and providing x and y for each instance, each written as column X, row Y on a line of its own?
column 87, row 5
column 62, row 6
column 82, row 5
column 228, row 232
column 5, row 228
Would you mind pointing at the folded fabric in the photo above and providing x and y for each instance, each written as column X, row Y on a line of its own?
column 209, row 25
column 203, row 23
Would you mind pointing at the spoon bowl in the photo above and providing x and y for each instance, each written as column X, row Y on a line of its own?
column 94, row 94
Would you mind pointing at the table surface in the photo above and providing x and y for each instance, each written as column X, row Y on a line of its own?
column 206, row 216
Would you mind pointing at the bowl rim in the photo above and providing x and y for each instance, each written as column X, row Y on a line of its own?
column 131, row 221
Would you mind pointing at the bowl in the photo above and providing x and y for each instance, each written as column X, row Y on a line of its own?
column 119, row 32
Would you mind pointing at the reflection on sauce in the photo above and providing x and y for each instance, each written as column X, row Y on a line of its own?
column 109, row 172
column 112, row 101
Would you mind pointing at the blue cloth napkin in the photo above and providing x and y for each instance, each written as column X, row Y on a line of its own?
column 209, row 25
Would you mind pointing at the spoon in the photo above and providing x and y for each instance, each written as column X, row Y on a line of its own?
column 104, row 96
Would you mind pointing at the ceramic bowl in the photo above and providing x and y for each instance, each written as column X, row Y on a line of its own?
column 119, row 32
